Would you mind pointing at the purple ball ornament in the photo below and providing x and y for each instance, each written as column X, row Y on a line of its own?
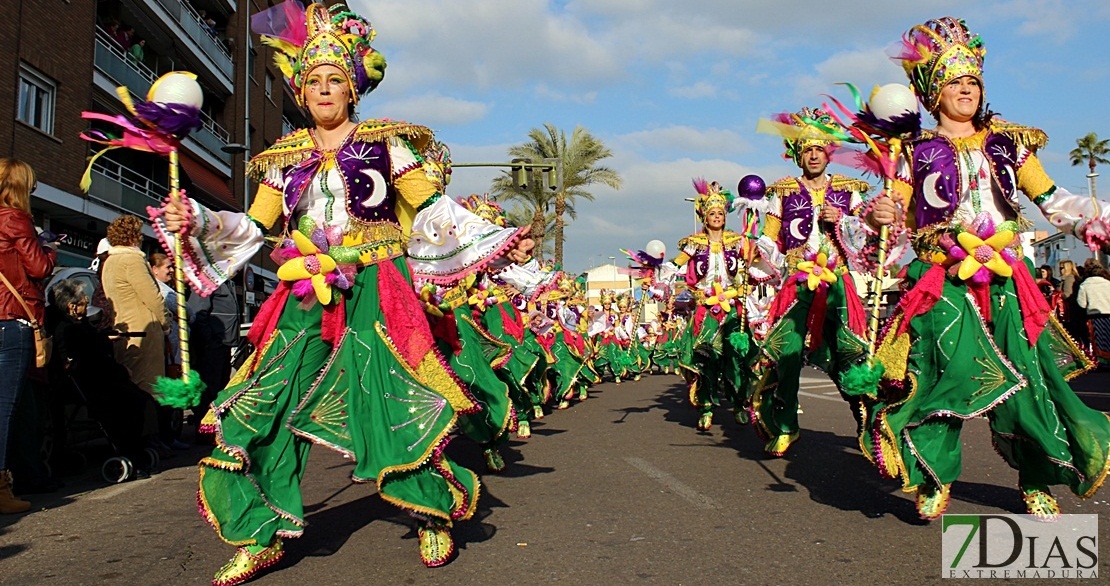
column 751, row 187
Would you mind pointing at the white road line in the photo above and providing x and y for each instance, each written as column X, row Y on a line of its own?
column 674, row 484
column 836, row 398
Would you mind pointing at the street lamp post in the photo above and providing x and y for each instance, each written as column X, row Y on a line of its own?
column 244, row 149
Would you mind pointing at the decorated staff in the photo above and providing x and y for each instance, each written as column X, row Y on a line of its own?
column 157, row 125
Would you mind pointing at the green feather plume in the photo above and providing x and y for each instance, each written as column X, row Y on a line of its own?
column 179, row 393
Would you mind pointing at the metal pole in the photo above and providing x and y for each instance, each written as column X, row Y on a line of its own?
column 246, row 133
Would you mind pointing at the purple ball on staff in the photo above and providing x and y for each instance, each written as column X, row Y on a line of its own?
column 751, row 187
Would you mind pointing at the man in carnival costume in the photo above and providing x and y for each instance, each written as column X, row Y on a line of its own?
column 972, row 335
column 345, row 357
column 717, row 265
column 817, row 316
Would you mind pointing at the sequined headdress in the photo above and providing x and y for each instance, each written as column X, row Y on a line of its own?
column 305, row 38
column 711, row 196
column 485, row 208
column 938, row 52
column 812, row 126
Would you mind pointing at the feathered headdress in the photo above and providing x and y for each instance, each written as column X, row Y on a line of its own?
column 485, row 208
column 305, row 38
column 938, row 52
column 711, row 196
column 804, row 129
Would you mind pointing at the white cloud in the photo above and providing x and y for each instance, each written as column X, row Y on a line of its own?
column 432, row 110
column 863, row 68
column 698, row 90
column 579, row 97
column 679, row 139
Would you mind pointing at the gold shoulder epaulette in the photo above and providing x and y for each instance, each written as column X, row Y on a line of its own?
column 784, row 187
column 843, row 183
column 287, row 150
column 378, row 130
column 1027, row 136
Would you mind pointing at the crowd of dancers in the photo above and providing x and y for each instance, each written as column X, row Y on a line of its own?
column 404, row 313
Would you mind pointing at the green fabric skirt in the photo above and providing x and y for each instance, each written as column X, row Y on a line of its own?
column 952, row 364
column 521, row 363
column 478, row 353
column 363, row 397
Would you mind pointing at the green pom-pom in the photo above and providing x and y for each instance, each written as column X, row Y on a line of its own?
column 862, row 379
column 739, row 342
column 179, row 393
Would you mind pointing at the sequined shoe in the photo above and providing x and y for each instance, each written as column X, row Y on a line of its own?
column 523, row 430
column 537, row 412
column 246, row 565
column 779, row 444
column 705, row 422
column 636, row 378
column 1041, row 504
column 617, row 379
column 583, row 394
column 494, row 462
column 742, row 416
column 436, row 545
column 932, row 501
column 564, row 404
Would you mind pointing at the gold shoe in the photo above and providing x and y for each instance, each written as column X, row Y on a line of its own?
column 494, row 462
column 617, row 379
column 1041, row 505
column 246, row 565
column 742, row 416
column 636, row 378
column 931, row 501
column 537, row 412
column 705, row 421
column 779, row 444
column 523, row 430
column 583, row 395
column 436, row 545
column 564, row 404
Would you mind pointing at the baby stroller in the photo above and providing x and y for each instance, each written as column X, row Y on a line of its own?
column 102, row 403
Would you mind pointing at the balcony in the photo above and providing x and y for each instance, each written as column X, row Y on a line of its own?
column 123, row 188
column 287, row 126
column 185, row 23
column 118, row 69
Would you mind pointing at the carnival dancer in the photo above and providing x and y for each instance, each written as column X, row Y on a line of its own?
column 603, row 329
column 817, row 316
column 344, row 357
column 716, row 262
column 972, row 335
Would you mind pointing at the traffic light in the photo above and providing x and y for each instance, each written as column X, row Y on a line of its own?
column 520, row 174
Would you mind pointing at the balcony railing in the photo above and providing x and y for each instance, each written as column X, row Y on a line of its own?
column 287, row 126
column 190, row 23
column 124, row 188
column 114, row 63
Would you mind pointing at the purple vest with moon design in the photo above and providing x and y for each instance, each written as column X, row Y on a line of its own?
column 365, row 169
column 937, row 178
column 798, row 214
column 699, row 263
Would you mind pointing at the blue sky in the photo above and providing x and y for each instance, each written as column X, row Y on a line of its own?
column 675, row 89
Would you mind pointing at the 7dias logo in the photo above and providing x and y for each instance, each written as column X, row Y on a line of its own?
column 1019, row 546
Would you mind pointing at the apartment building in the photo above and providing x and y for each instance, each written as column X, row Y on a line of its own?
column 62, row 57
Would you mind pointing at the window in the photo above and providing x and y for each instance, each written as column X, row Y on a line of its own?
column 36, row 99
column 269, row 85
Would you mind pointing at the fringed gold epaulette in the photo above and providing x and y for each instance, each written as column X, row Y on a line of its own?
column 729, row 237
column 784, row 187
column 843, row 183
column 378, row 130
column 1027, row 136
column 700, row 239
column 286, row 151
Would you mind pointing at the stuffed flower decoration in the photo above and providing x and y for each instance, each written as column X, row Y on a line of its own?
column 1096, row 234
column 482, row 297
column 817, row 270
column 983, row 252
column 308, row 265
column 720, row 298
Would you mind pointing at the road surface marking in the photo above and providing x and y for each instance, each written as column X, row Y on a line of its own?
column 674, row 484
column 836, row 398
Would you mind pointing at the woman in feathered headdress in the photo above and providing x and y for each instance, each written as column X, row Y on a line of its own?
column 345, row 358
column 973, row 336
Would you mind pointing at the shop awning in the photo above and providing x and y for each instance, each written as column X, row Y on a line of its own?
column 207, row 181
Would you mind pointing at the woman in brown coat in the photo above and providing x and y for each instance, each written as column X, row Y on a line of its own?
column 139, row 307
column 24, row 262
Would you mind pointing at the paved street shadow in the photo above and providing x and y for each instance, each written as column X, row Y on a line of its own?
column 331, row 527
column 676, row 408
column 839, row 476
column 630, row 410
column 991, row 495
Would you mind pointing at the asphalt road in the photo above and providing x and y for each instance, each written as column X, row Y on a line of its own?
column 619, row 489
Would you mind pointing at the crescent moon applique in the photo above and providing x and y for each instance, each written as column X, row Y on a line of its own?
column 377, row 192
column 794, row 229
column 929, row 187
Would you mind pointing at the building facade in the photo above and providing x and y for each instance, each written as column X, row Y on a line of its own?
column 62, row 58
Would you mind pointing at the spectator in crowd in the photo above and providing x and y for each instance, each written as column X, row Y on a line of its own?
column 123, row 36
column 24, row 263
column 84, row 355
column 214, row 332
column 1073, row 317
column 210, row 26
column 140, row 310
column 106, row 317
column 1094, row 296
column 112, row 29
column 136, row 51
column 1048, row 286
column 162, row 269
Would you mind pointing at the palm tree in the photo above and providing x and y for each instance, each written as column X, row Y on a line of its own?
column 1092, row 151
column 519, row 215
column 579, row 157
